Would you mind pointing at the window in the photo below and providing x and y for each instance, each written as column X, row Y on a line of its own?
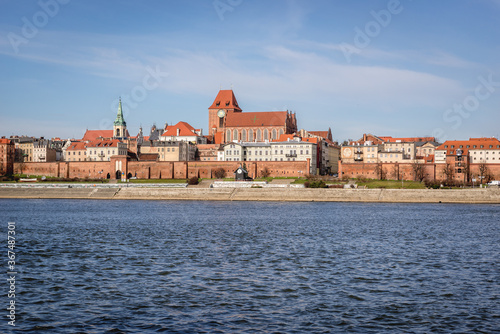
column 307, row 151
column 259, row 135
column 274, row 134
column 281, row 151
column 301, row 151
column 249, row 152
column 244, row 135
column 228, row 135
column 250, row 135
column 235, row 134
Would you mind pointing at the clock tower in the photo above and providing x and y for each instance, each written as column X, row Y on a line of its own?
column 120, row 126
column 224, row 104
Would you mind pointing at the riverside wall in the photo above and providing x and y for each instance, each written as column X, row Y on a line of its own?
column 486, row 196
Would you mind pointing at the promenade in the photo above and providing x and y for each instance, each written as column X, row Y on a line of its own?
column 485, row 195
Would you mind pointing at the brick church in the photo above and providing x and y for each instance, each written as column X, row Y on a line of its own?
column 227, row 121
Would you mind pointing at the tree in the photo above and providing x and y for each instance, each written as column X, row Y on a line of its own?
column 484, row 172
column 466, row 171
column 395, row 171
column 265, row 172
column 379, row 171
column 448, row 171
column 220, row 173
column 418, row 171
column 22, row 166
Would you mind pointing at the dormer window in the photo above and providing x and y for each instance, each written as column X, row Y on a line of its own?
column 227, row 103
column 218, row 103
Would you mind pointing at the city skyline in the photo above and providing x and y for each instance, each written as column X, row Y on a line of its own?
column 391, row 68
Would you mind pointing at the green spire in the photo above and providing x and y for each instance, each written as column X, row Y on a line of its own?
column 119, row 117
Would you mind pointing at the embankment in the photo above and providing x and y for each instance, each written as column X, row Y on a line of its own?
column 491, row 196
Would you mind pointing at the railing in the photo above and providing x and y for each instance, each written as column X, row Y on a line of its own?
column 291, row 155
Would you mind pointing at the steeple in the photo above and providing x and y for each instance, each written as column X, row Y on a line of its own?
column 120, row 126
column 119, row 117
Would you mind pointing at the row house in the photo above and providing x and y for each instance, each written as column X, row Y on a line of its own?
column 207, row 152
column 465, row 157
column 23, row 148
column 7, row 156
column 373, row 149
column 328, row 152
column 43, row 151
column 103, row 150
column 169, row 150
column 76, row 151
column 295, row 149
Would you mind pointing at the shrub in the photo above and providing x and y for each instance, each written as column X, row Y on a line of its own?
column 193, row 181
column 433, row 184
column 220, row 173
column 315, row 184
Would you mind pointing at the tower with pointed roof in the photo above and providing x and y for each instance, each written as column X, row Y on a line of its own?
column 120, row 126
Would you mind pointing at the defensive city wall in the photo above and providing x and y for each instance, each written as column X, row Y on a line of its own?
column 396, row 171
column 158, row 170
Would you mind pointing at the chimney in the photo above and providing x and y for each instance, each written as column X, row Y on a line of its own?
column 178, row 131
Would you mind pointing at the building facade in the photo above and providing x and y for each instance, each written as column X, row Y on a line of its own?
column 7, row 156
column 291, row 150
column 43, row 151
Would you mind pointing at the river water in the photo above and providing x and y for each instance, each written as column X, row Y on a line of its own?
column 236, row 267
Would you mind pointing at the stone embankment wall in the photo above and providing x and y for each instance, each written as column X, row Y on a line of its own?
column 491, row 195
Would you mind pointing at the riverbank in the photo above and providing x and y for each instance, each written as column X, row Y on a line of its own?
column 486, row 196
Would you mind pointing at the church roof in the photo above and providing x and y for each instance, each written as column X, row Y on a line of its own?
column 257, row 119
column 225, row 99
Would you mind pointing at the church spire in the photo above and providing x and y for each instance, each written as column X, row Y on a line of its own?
column 119, row 121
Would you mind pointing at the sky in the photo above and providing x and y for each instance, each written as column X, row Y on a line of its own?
column 390, row 68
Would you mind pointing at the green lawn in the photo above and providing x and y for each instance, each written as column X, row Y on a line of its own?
column 158, row 181
column 391, row 184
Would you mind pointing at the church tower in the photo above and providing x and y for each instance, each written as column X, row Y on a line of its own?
column 120, row 126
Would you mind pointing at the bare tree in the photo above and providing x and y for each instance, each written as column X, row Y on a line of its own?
column 265, row 172
column 418, row 171
column 484, row 172
column 379, row 171
column 466, row 171
column 396, row 172
column 448, row 171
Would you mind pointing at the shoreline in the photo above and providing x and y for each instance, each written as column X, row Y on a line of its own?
column 463, row 196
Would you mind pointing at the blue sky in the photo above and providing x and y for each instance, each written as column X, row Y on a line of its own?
column 391, row 68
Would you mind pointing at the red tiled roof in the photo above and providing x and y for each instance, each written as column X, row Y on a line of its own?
column 104, row 143
column 91, row 135
column 225, row 99
column 389, row 139
column 322, row 134
column 311, row 140
column 485, row 142
column 284, row 137
column 257, row 119
column 146, row 138
column 185, row 130
column 77, row 146
column 4, row 141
